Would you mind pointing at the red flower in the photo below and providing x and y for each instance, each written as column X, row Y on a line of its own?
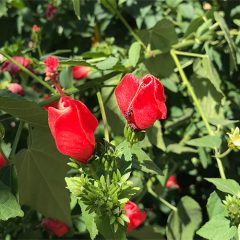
column 35, row 28
column 141, row 101
column 16, row 88
column 55, row 227
column 12, row 68
column 172, row 182
column 72, row 126
column 135, row 216
column 3, row 162
column 51, row 11
column 79, row 72
column 51, row 64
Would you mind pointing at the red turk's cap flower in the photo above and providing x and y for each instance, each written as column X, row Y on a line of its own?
column 79, row 72
column 142, row 101
column 55, row 227
column 51, row 11
column 72, row 126
column 135, row 216
column 16, row 88
column 35, row 28
column 172, row 182
column 3, row 162
column 12, row 68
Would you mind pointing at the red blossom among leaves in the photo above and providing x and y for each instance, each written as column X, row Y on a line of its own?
column 51, row 11
column 55, row 227
column 142, row 101
column 35, row 28
column 16, row 88
column 3, row 162
column 72, row 126
column 79, row 72
column 12, row 68
column 135, row 216
column 172, row 182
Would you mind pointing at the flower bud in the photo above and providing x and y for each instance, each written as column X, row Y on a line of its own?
column 234, row 139
column 232, row 204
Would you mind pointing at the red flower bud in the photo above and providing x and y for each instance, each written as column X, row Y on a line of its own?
column 72, row 126
column 79, row 72
column 135, row 216
column 142, row 101
column 55, row 227
column 16, row 88
column 51, row 64
column 3, row 162
column 172, row 182
column 12, row 68
column 51, row 11
column 35, row 28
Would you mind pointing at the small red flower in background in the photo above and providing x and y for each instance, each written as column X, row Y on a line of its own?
column 172, row 182
column 135, row 216
column 16, row 88
column 55, row 227
column 51, row 64
column 72, row 126
column 12, row 68
column 3, row 161
column 35, row 28
column 51, row 11
column 142, row 101
column 79, row 72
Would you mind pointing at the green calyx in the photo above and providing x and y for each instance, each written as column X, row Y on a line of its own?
column 133, row 135
column 232, row 204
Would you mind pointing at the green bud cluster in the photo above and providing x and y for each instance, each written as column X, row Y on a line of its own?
column 232, row 204
column 132, row 135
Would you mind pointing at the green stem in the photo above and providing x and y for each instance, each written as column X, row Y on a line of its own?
column 16, row 139
column 198, row 107
column 38, row 79
column 191, row 91
column 167, row 204
column 224, row 154
column 220, row 167
column 104, row 117
column 189, row 54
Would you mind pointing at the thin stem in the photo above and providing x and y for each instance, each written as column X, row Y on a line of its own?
column 104, row 117
column 224, row 154
column 189, row 54
column 198, row 107
column 191, row 91
column 16, row 139
column 31, row 74
column 58, row 87
column 165, row 202
column 220, row 167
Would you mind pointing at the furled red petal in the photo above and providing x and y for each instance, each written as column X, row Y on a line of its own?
column 3, row 162
column 79, row 72
column 73, row 126
column 54, row 227
column 145, row 105
column 126, row 91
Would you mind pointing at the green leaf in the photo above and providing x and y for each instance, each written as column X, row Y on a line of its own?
column 111, row 5
column 155, row 136
column 65, row 78
column 89, row 220
column 134, row 53
column 76, row 7
column 232, row 47
column 107, row 63
column 107, row 230
column 225, row 185
column 23, row 109
column 215, row 206
column 74, row 185
column 206, row 141
column 183, row 223
column 204, row 157
column 162, row 36
column 9, row 207
column 179, row 149
column 217, row 228
column 193, row 26
column 41, row 170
